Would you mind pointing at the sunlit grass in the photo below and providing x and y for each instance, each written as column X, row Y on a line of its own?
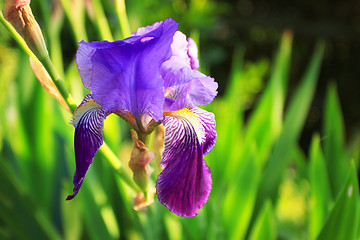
column 264, row 185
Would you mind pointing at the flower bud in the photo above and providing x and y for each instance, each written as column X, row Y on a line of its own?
column 139, row 162
column 18, row 13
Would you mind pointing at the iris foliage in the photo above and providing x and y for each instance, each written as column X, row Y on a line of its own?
column 265, row 186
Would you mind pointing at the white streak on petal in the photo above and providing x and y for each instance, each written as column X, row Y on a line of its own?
column 188, row 116
column 208, row 122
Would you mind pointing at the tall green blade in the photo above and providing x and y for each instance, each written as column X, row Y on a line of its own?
column 293, row 124
column 266, row 120
column 240, row 199
column 343, row 220
column 19, row 213
column 320, row 196
column 336, row 160
column 99, row 219
column 264, row 227
column 228, row 113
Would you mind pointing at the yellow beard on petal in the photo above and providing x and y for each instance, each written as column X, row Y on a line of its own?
column 189, row 116
column 81, row 110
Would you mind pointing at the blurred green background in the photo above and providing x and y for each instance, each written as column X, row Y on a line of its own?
column 286, row 162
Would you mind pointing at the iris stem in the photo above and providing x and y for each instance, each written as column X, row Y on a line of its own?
column 123, row 19
column 47, row 63
column 116, row 164
column 101, row 21
column 49, row 66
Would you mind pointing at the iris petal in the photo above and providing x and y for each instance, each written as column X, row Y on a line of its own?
column 208, row 122
column 88, row 122
column 125, row 74
column 185, row 183
column 176, row 71
column 193, row 54
column 199, row 91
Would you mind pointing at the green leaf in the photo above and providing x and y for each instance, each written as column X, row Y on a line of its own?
column 264, row 227
column 358, row 233
column 320, row 197
column 343, row 219
column 266, row 121
column 70, row 216
column 293, row 124
column 334, row 150
column 98, row 216
column 19, row 213
column 228, row 113
column 240, row 199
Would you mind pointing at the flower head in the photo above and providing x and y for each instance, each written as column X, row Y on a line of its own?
column 148, row 79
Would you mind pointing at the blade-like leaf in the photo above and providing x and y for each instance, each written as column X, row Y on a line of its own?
column 99, row 218
column 293, row 123
column 240, row 199
column 19, row 213
column 266, row 120
column 343, row 219
column 334, row 151
column 264, row 227
column 70, row 216
column 320, row 196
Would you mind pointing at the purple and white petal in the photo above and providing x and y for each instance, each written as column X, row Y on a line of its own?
column 208, row 122
column 197, row 92
column 193, row 54
column 125, row 74
column 176, row 71
column 186, row 49
column 88, row 122
column 179, row 47
column 146, row 29
column 184, row 185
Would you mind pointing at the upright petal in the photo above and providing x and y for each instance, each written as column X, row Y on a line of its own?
column 176, row 71
column 199, row 91
column 125, row 74
column 144, row 30
column 185, row 183
column 186, row 49
column 193, row 54
column 88, row 122
column 179, row 69
column 179, row 47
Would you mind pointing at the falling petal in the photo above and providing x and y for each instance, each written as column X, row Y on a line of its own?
column 88, row 122
column 185, row 183
column 208, row 122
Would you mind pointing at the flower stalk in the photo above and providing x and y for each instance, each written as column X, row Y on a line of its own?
column 139, row 163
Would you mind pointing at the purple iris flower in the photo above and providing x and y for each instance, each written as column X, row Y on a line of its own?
column 147, row 79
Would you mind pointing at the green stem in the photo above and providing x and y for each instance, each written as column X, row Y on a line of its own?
column 123, row 19
column 47, row 63
column 101, row 21
column 75, row 12
column 116, row 164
